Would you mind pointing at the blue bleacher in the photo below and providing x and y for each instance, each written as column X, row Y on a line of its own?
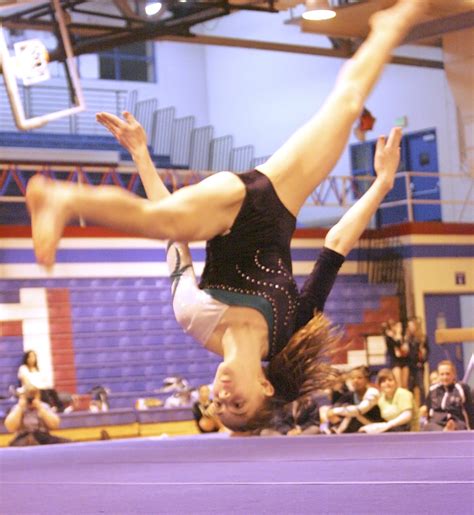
column 125, row 336
column 73, row 142
column 92, row 142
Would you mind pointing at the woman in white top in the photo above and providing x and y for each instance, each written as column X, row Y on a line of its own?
column 30, row 376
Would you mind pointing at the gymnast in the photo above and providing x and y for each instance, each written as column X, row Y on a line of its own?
column 247, row 306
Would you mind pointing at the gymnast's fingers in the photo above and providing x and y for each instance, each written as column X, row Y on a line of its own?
column 111, row 118
column 395, row 137
column 110, row 127
column 129, row 117
column 381, row 142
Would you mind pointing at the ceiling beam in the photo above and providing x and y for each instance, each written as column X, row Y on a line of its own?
column 441, row 26
column 295, row 49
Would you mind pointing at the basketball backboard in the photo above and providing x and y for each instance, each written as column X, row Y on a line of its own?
column 28, row 64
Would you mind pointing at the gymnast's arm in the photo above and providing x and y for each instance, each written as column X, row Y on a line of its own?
column 343, row 236
column 131, row 135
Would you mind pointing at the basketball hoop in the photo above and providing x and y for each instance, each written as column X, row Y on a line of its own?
column 30, row 64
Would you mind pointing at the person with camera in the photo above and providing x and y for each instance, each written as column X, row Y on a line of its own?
column 32, row 420
column 204, row 412
column 29, row 375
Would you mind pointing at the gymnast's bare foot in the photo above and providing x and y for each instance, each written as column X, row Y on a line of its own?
column 47, row 203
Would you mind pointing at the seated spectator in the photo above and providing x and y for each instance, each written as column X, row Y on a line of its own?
column 204, row 412
column 339, row 387
column 358, row 408
column 434, row 379
column 336, row 390
column 396, row 406
column 174, row 384
column 32, row 420
column 30, row 376
column 300, row 417
column 181, row 399
column 99, row 399
column 449, row 402
column 397, row 351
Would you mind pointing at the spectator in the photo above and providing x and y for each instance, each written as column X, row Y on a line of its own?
column 179, row 399
column 397, row 351
column 204, row 412
column 417, row 357
column 30, row 376
column 300, row 417
column 32, row 420
column 338, row 388
column 357, row 408
column 449, row 402
column 434, row 379
column 396, row 406
column 99, row 399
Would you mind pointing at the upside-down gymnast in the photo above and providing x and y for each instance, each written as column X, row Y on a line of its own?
column 248, row 308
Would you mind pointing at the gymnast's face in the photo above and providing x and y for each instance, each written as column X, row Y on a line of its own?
column 238, row 395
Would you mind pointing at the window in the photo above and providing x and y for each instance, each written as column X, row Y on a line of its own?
column 128, row 62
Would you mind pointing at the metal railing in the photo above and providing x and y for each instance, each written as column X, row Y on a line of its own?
column 39, row 100
column 413, row 198
column 334, row 191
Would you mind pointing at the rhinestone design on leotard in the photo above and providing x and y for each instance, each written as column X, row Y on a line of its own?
column 270, row 290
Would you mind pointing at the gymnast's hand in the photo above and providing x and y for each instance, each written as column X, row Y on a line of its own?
column 128, row 132
column 387, row 156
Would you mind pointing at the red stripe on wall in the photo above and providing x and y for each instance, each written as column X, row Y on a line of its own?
column 11, row 328
column 62, row 347
column 434, row 228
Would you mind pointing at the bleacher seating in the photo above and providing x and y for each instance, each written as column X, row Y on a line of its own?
column 125, row 337
column 94, row 144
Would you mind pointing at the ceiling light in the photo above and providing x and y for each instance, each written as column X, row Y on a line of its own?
column 153, row 8
column 318, row 10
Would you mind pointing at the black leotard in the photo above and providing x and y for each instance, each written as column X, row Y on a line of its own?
column 251, row 265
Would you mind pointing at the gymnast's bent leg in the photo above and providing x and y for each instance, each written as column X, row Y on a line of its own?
column 195, row 310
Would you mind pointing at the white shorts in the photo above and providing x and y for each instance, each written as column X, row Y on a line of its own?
column 195, row 310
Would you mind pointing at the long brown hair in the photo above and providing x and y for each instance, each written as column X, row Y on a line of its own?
column 299, row 369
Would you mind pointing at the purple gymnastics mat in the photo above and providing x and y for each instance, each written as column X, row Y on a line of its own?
column 412, row 473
